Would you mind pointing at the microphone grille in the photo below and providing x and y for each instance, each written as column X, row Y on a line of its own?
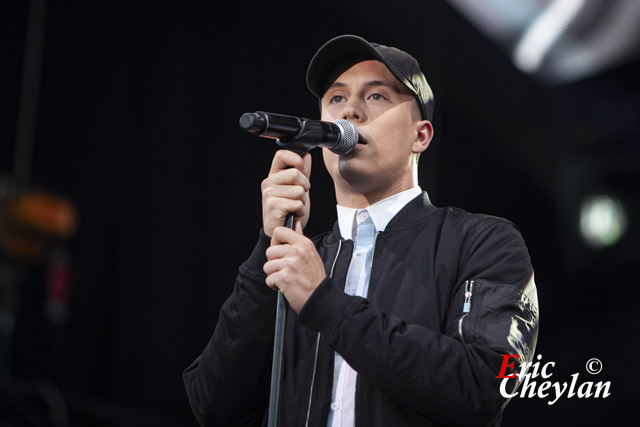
column 349, row 137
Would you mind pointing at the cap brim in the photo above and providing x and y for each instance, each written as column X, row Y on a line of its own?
column 334, row 53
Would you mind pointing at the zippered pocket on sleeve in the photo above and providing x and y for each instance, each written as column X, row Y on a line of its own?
column 466, row 308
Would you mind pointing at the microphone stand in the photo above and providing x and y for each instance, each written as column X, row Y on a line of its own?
column 278, row 342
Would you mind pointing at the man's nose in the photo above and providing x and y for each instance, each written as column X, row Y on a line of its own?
column 354, row 110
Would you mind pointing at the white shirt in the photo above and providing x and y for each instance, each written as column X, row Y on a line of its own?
column 342, row 409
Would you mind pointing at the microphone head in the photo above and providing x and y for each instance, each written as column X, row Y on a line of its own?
column 349, row 137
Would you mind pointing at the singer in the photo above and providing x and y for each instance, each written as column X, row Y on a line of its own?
column 400, row 315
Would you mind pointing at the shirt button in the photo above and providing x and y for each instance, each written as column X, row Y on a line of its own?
column 335, row 406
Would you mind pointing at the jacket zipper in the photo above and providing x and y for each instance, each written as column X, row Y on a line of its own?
column 315, row 359
column 375, row 241
column 468, row 292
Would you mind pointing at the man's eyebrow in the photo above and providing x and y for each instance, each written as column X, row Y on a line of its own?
column 336, row 85
column 384, row 83
column 372, row 83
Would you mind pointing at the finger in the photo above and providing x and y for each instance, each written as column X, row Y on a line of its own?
column 281, row 207
column 272, row 267
column 287, row 177
column 285, row 159
column 272, row 282
column 276, row 252
column 277, row 277
column 284, row 235
column 307, row 165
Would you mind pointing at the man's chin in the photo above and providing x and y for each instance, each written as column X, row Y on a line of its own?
column 353, row 172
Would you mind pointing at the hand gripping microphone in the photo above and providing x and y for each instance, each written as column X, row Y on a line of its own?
column 299, row 134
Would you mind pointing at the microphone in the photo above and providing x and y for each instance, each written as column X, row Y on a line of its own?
column 300, row 134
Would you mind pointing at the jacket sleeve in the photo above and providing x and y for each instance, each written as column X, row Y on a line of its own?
column 447, row 376
column 228, row 384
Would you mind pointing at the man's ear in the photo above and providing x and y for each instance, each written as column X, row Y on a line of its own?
column 424, row 134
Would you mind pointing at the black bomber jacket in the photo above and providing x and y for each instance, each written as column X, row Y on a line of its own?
column 450, row 293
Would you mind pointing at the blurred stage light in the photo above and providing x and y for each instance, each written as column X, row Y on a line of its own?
column 559, row 41
column 603, row 220
column 544, row 31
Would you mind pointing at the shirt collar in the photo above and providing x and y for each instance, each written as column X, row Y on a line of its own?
column 381, row 212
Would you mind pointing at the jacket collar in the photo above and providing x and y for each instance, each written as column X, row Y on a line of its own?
column 415, row 211
column 381, row 212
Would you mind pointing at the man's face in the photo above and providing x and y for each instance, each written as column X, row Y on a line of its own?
column 385, row 113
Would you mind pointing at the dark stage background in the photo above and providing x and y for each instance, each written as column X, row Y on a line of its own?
column 137, row 126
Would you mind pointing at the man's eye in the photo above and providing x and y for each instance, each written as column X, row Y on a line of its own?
column 377, row 97
column 336, row 98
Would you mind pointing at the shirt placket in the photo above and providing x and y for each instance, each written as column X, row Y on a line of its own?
column 356, row 284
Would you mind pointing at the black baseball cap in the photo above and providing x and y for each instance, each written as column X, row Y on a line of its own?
column 352, row 49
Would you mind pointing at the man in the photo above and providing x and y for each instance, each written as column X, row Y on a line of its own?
column 401, row 315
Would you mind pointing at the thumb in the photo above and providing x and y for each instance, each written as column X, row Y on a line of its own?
column 298, row 227
column 307, row 164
